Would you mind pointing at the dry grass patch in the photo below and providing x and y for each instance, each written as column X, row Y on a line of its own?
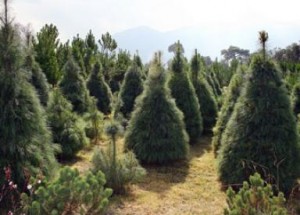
column 183, row 188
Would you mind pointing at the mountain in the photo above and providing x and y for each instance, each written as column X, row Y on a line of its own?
column 209, row 41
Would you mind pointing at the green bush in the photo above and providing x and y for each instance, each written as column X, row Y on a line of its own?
column 131, row 88
column 255, row 199
column 261, row 134
column 100, row 90
column 65, row 126
column 120, row 169
column 74, row 88
column 230, row 98
column 95, row 122
column 183, row 92
column 71, row 193
column 156, row 132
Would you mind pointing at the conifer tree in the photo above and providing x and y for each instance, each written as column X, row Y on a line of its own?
column 38, row 78
column 74, row 88
column 185, row 97
column 99, row 89
column 65, row 126
column 45, row 47
column 230, row 98
column 156, row 132
column 208, row 104
column 25, row 139
column 261, row 134
column 295, row 97
column 131, row 88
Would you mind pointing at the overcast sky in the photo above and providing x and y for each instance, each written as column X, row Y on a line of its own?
column 78, row 16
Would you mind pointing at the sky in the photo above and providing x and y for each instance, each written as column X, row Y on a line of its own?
column 79, row 16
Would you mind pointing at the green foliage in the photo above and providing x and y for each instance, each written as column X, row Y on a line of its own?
column 65, row 126
column 230, row 98
column 69, row 194
column 255, row 199
column 95, row 123
column 100, row 90
column 261, row 134
column 208, row 104
column 78, row 53
column 74, row 88
column 156, row 132
column 131, row 88
column 295, row 99
column 120, row 170
column 38, row 79
column 185, row 97
column 25, row 140
column 45, row 47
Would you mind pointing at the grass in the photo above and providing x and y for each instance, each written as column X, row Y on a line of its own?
column 186, row 187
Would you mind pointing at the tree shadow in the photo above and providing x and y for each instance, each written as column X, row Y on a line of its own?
column 161, row 178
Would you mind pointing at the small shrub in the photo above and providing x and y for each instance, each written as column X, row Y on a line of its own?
column 69, row 194
column 255, row 199
column 120, row 170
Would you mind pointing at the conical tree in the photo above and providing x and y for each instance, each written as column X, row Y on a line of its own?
column 186, row 100
column 100, row 90
column 261, row 135
column 38, row 78
column 65, row 126
column 208, row 104
column 26, row 144
column 230, row 98
column 74, row 88
column 131, row 88
column 156, row 131
column 295, row 97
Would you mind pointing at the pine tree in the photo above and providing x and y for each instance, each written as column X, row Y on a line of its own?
column 74, row 88
column 156, row 131
column 208, row 104
column 25, row 140
column 45, row 48
column 295, row 97
column 131, row 88
column 38, row 78
column 230, row 98
column 100, row 90
column 185, row 97
column 261, row 134
column 65, row 126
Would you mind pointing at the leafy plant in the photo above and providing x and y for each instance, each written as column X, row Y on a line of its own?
column 120, row 170
column 70, row 193
column 256, row 198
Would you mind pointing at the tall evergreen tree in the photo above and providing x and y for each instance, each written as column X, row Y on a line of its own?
column 65, row 126
column 25, row 140
column 74, row 87
column 185, row 97
column 100, row 90
column 130, row 89
column 38, row 78
column 230, row 98
column 261, row 134
column 45, row 47
column 156, row 131
column 208, row 104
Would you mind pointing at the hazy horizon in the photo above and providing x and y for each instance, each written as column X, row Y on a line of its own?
column 231, row 22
